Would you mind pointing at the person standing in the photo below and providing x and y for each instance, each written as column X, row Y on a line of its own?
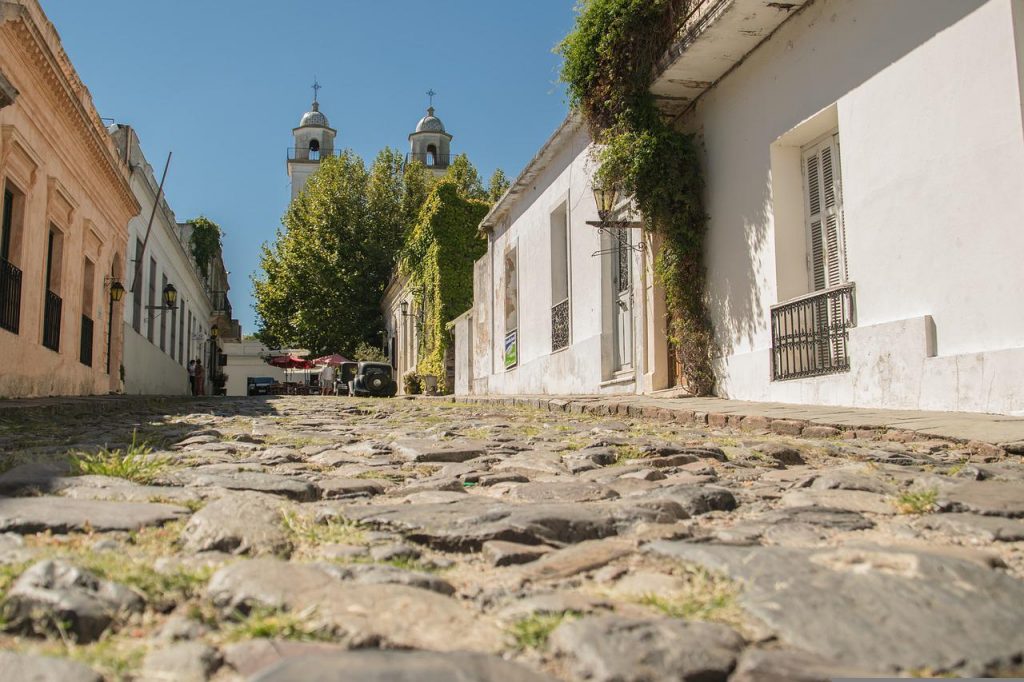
column 192, row 376
column 200, row 379
column 327, row 380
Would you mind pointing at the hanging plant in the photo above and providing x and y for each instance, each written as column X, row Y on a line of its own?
column 205, row 242
column 609, row 65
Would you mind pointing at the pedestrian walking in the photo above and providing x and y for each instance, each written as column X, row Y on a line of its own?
column 192, row 376
column 327, row 380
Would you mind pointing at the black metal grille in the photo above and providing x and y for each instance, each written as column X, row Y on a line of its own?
column 85, row 346
column 431, row 160
column 810, row 335
column 560, row 325
column 10, row 296
column 51, row 321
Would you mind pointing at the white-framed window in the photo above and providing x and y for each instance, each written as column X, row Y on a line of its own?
column 560, row 308
column 823, row 208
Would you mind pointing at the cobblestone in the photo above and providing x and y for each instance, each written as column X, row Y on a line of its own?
column 553, row 539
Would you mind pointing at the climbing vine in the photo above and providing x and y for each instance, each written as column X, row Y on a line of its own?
column 438, row 261
column 609, row 65
column 205, row 242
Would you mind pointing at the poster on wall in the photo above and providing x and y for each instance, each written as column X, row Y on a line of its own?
column 511, row 349
column 511, row 307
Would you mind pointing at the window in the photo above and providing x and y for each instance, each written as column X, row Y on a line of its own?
column 181, row 334
column 137, row 288
column 824, row 213
column 10, row 273
column 151, row 305
column 431, row 159
column 52, row 302
column 86, row 338
column 511, row 353
column 559, row 278
column 314, row 150
column 810, row 333
column 174, row 331
column 191, row 334
column 163, row 316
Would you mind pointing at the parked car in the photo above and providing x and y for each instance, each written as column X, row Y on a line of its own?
column 346, row 372
column 373, row 379
column 259, row 385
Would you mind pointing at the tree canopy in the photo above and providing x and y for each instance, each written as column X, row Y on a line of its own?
column 322, row 278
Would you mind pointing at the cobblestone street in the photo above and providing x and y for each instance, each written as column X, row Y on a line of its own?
column 235, row 539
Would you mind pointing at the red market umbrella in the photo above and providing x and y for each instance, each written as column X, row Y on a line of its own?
column 334, row 360
column 290, row 362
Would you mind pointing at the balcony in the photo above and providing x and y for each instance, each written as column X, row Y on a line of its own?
column 307, row 154
column 51, row 321
column 431, row 160
column 10, row 296
column 810, row 334
column 85, row 345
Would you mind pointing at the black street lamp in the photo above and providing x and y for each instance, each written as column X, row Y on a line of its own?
column 116, row 294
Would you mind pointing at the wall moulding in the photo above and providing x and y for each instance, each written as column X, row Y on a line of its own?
column 17, row 158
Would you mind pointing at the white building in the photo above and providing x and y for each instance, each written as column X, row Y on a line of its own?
column 159, row 341
column 561, row 306
column 863, row 165
column 245, row 360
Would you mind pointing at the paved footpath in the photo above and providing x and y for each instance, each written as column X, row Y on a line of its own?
column 309, row 538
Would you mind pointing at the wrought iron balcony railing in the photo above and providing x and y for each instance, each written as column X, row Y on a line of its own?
column 10, row 296
column 307, row 154
column 560, row 325
column 810, row 334
column 431, row 160
column 85, row 345
column 51, row 321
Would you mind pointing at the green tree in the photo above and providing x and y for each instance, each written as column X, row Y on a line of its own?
column 322, row 278
column 498, row 185
column 466, row 178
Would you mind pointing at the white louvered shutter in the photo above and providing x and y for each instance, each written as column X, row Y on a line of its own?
column 825, row 213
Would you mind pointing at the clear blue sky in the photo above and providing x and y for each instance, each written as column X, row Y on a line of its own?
column 221, row 83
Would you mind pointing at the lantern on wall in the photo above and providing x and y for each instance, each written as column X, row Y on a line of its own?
column 605, row 196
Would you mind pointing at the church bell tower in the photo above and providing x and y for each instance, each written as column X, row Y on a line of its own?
column 430, row 144
column 313, row 141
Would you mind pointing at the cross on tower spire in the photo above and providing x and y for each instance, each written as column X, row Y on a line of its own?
column 430, row 94
column 316, row 88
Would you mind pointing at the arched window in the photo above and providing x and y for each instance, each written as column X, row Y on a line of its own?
column 431, row 155
column 314, row 150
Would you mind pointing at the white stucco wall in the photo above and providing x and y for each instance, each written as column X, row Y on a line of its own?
column 927, row 98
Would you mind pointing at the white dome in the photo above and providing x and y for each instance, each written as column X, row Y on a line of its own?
column 430, row 123
column 314, row 118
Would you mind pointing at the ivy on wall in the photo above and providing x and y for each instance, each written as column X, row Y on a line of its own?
column 438, row 260
column 204, row 242
column 609, row 65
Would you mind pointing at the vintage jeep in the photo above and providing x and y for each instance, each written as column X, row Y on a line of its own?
column 373, row 379
column 345, row 373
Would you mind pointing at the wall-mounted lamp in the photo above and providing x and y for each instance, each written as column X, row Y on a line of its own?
column 170, row 299
column 116, row 291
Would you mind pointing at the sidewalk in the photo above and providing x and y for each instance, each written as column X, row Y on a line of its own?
column 982, row 431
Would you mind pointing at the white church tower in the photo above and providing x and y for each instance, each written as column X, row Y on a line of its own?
column 314, row 140
column 430, row 144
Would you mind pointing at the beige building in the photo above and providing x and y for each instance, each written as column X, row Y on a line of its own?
column 66, row 207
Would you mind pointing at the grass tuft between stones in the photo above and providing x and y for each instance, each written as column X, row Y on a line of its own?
column 533, row 631
column 270, row 623
column 135, row 463
column 706, row 596
column 307, row 531
column 917, row 501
